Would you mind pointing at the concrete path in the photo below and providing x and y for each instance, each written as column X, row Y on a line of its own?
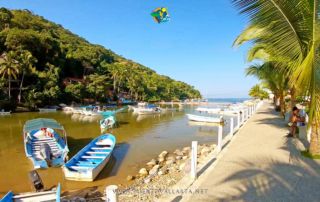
column 260, row 164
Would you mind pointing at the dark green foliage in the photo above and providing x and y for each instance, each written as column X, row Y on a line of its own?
column 47, row 54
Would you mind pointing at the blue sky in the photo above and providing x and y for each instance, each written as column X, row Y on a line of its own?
column 195, row 46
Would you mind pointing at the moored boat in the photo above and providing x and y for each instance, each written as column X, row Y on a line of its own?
column 44, row 146
column 208, row 110
column 206, row 119
column 146, row 111
column 107, row 123
column 47, row 109
column 90, row 160
column 3, row 113
column 43, row 196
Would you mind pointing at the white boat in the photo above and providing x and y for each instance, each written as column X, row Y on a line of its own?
column 47, row 109
column 44, row 146
column 3, row 113
column 208, row 110
column 146, row 111
column 107, row 123
column 43, row 196
column 206, row 119
column 89, row 161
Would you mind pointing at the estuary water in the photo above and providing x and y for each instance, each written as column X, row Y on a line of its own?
column 139, row 139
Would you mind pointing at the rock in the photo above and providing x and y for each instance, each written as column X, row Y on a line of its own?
column 178, row 152
column 161, row 172
column 171, row 158
column 143, row 172
column 147, row 180
column 161, row 159
column 130, row 177
column 185, row 157
column 178, row 157
column 152, row 163
column 182, row 166
column 163, row 154
column 78, row 199
column 169, row 162
column 186, row 149
column 154, row 170
column 205, row 151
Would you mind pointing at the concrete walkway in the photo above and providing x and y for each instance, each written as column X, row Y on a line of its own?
column 260, row 164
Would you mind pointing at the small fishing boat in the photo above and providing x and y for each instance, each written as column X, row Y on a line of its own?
column 43, row 196
column 107, row 123
column 44, row 146
column 89, row 161
column 3, row 113
column 206, row 119
column 208, row 110
column 47, row 110
column 146, row 111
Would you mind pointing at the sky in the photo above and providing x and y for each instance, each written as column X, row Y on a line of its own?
column 194, row 47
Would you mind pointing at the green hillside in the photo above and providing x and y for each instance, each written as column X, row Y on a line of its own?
column 48, row 64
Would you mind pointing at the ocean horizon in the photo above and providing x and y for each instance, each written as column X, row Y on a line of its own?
column 227, row 100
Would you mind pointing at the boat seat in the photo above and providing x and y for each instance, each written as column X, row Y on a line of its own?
column 89, row 162
column 96, row 148
column 103, row 144
column 86, row 164
column 93, row 157
column 97, row 152
column 81, row 167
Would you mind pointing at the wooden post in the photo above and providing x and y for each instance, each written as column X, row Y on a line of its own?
column 231, row 126
column 220, row 130
column 194, row 156
column 111, row 193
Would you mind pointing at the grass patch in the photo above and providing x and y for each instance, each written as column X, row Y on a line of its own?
column 308, row 155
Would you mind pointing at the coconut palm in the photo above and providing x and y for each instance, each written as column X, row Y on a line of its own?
column 288, row 30
column 9, row 68
column 26, row 64
column 258, row 92
column 273, row 80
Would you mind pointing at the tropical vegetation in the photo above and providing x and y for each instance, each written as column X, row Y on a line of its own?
column 41, row 63
column 258, row 92
column 286, row 34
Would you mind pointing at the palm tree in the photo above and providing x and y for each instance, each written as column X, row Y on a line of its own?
column 9, row 68
column 257, row 92
column 273, row 80
column 26, row 64
column 288, row 30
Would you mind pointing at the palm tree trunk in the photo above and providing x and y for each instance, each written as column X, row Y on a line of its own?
column 314, row 147
column 314, row 142
column 9, row 87
column 20, row 89
column 282, row 104
column 293, row 97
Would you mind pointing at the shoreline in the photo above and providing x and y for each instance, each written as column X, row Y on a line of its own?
column 161, row 172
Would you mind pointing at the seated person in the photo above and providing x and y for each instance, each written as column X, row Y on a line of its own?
column 294, row 120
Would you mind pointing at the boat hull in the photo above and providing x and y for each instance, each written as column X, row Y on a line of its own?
column 90, row 160
column 44, row 196
column 205, row 119
column 84, row 176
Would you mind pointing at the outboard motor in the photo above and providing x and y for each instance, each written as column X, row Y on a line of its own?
column 36, row 180
column 45, row 152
